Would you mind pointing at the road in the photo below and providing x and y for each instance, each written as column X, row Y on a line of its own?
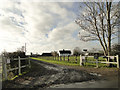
column 45, row 75
column 89, row 84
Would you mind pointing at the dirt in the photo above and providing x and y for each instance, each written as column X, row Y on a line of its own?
column 105, row 73
column 45, row 75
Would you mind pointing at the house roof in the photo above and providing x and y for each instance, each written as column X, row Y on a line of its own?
column 65, row 51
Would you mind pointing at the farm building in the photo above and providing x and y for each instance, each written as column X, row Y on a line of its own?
column 46, row 54
column 34, row 55
column 65, row 52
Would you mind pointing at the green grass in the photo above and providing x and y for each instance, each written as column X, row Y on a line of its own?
column 72, row 61
column 58, row 62
column 17, row 75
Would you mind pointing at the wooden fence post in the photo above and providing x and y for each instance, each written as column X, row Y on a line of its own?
column 29, row 62
column 76, row 59
column 64, row 58
column 60, row 58
column 19, row 65
column 5, row 67
column 118, row 65
column 68, row 58
column 96, row 63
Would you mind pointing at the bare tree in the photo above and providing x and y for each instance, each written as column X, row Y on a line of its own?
column 21, row 49
column 93, row 50
column 55, row 54
column 77, row 51
column 99, row 21
column 116, row 49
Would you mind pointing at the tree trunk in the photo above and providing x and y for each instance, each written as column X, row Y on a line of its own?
column 98, row 35
column 109, row 27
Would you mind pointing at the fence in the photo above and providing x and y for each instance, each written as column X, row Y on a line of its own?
column 7, row 61
column 62, row 58
column 80, row 60
column 83, row 60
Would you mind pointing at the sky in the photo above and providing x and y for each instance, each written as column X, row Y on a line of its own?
column 43, row 26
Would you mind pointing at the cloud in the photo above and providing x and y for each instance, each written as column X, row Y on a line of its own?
column 44, row 26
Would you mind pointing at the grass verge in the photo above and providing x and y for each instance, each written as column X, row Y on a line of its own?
column 58, row 62
column 72, row 62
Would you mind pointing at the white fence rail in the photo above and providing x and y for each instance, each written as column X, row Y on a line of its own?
column 6, row 61
column 83, row 60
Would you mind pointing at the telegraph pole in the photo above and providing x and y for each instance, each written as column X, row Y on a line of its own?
column 25, row 48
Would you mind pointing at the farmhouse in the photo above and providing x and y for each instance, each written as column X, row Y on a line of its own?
column 65, row 52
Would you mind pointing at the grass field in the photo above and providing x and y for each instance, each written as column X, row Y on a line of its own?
column 72, row 61
column 58, row 62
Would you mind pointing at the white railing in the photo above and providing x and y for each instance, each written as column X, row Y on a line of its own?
column 83, row 60
column 7, row 61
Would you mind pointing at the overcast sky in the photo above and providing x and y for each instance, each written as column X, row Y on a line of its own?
column 44, row 26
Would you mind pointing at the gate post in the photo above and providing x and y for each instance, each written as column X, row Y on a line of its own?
column 5, row 67
column 96, row 63
column 19, row 65
column 80, row 60
column 29, row 62
column 118, row 64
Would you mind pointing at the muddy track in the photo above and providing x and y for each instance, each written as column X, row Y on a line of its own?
column 43, row 75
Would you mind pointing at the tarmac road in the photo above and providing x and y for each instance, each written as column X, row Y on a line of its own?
column 89, row 84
